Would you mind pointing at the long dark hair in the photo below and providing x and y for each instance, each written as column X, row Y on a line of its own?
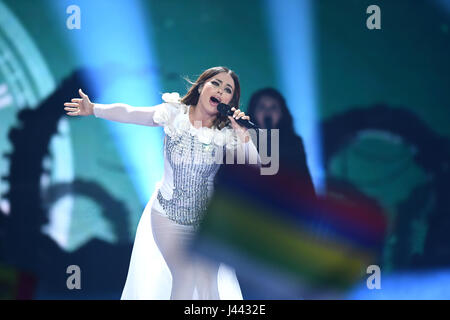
column 286, row 121
column 192, row 96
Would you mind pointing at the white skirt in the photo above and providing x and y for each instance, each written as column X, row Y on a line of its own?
column 161, row 268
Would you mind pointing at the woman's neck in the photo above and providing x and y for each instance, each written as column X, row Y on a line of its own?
column 199, row 118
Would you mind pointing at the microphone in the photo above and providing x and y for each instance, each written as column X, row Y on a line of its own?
column 225, row 110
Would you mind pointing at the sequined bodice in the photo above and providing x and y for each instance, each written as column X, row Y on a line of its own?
column 193, row 168
column 192, row 154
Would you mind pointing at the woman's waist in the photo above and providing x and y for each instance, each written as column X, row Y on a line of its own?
column 180, row 211
column 186, row 187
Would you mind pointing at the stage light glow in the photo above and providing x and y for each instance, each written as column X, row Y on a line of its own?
column 445, row 4
column 291, row 30
column 115, row 44
column 419, row 285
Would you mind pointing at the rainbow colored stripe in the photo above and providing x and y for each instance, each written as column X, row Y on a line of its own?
column 267, row 219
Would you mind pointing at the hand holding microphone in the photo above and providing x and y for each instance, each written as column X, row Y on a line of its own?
column 239, row 121
column 236, row 115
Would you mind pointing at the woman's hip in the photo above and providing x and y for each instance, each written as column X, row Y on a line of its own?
column 167, row 231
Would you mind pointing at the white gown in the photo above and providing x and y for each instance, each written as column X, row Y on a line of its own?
column 149, row 276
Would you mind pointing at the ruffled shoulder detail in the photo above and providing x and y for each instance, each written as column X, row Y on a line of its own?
column 226, row 137
column 173, row 97
column 174, row 117
column 168, row 110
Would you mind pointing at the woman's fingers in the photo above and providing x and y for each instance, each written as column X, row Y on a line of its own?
column 77, row 106
column 83, row 95
column 72, row 111
column 239, row 114
column 236, row 112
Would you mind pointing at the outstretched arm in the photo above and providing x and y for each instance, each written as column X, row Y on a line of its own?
column 119, row 112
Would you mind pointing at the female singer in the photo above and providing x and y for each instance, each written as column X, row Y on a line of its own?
column 196, row 134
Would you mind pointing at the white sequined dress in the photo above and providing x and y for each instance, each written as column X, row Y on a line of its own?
column 192, row 157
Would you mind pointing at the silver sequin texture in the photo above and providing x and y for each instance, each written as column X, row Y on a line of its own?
column 193, row 168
